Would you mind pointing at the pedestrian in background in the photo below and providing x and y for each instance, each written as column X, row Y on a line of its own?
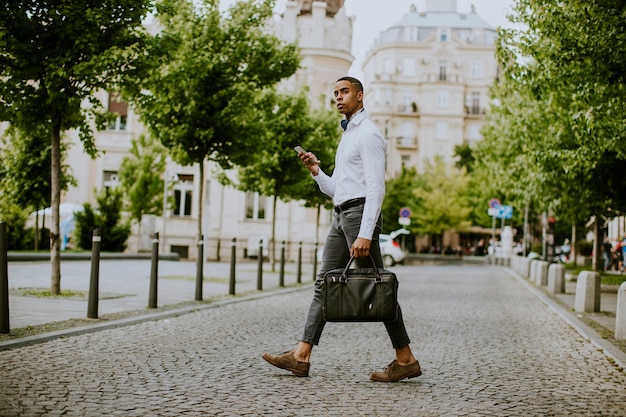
column 357, row 187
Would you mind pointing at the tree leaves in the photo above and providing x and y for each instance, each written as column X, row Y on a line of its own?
column 561, row 119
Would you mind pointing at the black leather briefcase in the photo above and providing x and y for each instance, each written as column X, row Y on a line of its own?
column 361, row 294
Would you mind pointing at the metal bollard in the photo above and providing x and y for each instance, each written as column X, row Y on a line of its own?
column 259, row 276
column 233, row 261
column 154, row 272
column 94, row 283
column 315, row 263
column 199, row 269
column 281, row 276
column 4, row 282
column 299, row 273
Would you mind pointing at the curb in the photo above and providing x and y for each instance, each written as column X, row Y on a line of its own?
column 114, row 324
column 587, row 332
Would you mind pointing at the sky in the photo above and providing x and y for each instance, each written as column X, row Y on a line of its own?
column 375, row 16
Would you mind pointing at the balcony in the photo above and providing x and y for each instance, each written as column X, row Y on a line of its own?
column 406, row 142
column 474, row 111
column 407, row 108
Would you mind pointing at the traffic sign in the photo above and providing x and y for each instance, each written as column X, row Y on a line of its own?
column 501, row 212
column 494, row 203
column 404, row 221
column 405, row 212
column 505, row 212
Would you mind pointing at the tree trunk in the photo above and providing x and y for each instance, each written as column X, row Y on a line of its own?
column 572, row 252
column 37, row 228
column 597, row 261
column 200, row 199
column 55, row 202
column 273, row 239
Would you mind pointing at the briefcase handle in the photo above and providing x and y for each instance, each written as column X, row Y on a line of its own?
column 344, row 275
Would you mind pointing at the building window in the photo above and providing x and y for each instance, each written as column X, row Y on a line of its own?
column 441, row 130
column 388, row 66
column 443, row 69
column 407, row 129
column 387, row 96
column 408, row 67
column 477, row 69
column 475, row 103
column 443, row 37
column 406, row 104
column 410, row 34
column 110, row 179
column 405, row 160
column 255, row 206
column 183, row 192
column 474, row 132
column 443, row 99
column 119, row 108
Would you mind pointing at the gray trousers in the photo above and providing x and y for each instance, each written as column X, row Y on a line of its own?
column 343, row 232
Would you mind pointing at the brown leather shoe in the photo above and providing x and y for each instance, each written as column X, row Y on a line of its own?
column 288, row 361
column 395, row 372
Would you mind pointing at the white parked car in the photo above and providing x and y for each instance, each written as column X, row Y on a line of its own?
column 390, row 248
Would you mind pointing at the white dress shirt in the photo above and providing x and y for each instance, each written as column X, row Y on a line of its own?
column 359, row 170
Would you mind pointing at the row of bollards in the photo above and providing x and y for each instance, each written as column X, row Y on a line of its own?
column 94, row 284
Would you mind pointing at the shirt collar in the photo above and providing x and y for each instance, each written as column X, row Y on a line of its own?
column 356, row 118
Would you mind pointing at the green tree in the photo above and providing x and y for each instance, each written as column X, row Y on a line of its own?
column 54, row 56
column 25, row 170
column 398, row 194
column 465, row 157
column 556, row 136
column 107, row 217
column 206, row 74
column 441, row 193
column 141, row 178
column 274, row 170
column 323, row 142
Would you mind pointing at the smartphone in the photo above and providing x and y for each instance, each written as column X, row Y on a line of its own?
column 301, row 149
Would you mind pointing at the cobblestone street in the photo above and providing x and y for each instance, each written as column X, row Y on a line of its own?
column 487, row 346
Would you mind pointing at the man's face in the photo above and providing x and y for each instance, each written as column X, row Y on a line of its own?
column 347, row 98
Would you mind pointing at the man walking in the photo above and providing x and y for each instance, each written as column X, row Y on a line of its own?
column 357, row 187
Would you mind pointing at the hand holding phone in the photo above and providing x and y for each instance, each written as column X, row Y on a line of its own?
column 300, row 149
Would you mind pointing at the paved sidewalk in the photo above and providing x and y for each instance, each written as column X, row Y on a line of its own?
column 489, row 344
column 125, row 285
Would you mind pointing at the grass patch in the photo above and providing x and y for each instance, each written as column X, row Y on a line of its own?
column 65, row 294
column 612, row 279
column 607, row 278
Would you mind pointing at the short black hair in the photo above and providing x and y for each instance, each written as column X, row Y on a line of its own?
column 353, row 81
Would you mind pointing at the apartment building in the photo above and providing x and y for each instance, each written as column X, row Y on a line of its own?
column 428, row 77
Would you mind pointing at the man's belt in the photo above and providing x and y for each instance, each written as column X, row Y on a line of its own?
column 349, row 204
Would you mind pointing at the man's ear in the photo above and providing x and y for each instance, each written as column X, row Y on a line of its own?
column 359, row 96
